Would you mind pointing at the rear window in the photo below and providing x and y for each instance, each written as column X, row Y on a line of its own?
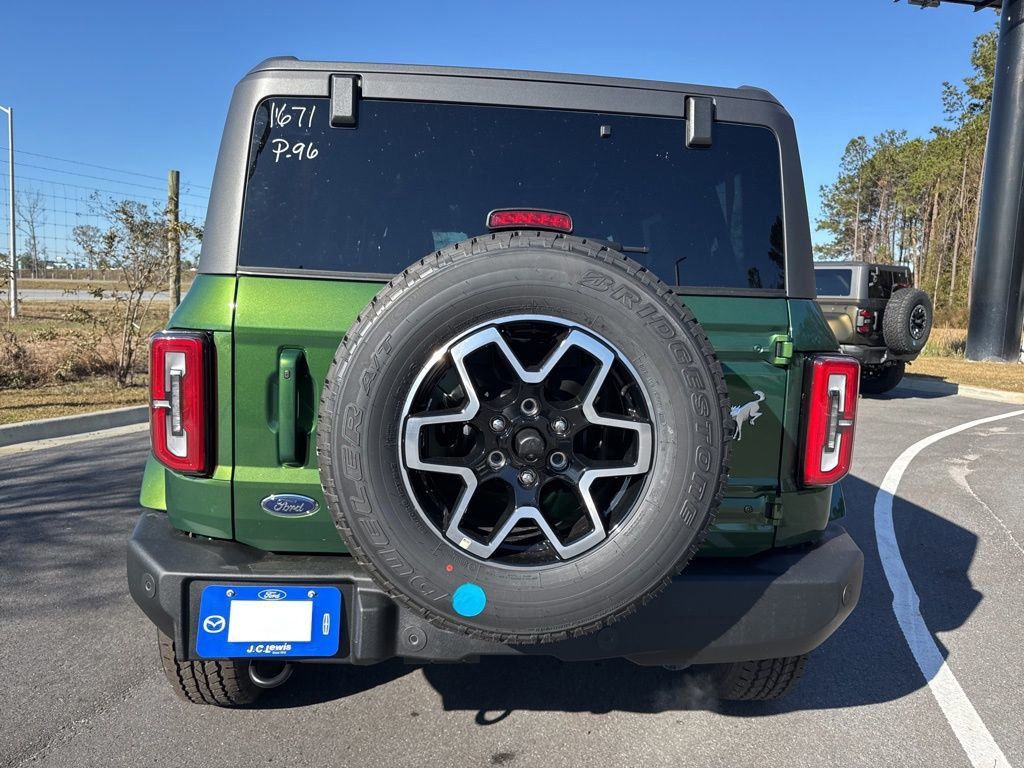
column 413, row 177
column 882, row 282
column 833, row 282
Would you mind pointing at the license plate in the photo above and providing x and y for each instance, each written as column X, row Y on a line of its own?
column 258, row 621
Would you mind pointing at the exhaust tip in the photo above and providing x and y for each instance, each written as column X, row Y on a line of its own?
column 270, row 674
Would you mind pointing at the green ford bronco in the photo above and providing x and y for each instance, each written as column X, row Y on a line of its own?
column 489, row 362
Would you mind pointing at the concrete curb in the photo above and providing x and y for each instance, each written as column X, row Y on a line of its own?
column 28, row 431
column 931, row 386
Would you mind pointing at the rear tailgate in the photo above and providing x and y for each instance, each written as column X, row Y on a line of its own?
column 750, row 336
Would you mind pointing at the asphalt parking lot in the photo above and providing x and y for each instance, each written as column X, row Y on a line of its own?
column 82, row 687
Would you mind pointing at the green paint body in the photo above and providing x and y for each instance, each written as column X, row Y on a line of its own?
column 275, row 338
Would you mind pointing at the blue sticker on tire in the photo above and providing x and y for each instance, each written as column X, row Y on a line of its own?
column 244, row 622
column 469, row 600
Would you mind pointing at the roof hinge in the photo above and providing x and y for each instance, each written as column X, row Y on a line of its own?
column 700, row 114
column 344, row 95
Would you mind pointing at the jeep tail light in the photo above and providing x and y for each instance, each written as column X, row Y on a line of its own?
column 531, row 218
column 179, row 386
column 865, row 321
column 830, row 410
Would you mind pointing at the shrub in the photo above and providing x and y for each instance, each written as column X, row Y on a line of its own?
column 946, row 342
column 19, row 367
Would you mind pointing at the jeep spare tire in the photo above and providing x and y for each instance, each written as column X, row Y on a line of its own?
column 524, row 436
column 907, row 321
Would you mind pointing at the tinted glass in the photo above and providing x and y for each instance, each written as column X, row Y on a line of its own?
column 413, row 177
column 880, row 283
column 833, row 282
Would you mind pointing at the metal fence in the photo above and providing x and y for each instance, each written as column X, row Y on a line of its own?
column 54, row 195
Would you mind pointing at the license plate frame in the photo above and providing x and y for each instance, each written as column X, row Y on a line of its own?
column 246, row 621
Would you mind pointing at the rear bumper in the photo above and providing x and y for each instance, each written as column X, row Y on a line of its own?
column 782, row 603
column 873, row 355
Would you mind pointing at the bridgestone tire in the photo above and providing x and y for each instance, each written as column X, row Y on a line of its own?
column 758, row 680
column 907, row 321
column 221, row 683
column 879, row 379
column 441, row 298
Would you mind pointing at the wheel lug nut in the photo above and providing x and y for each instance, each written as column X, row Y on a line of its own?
column 529, row 407
column 560, row 425
column 497, row 424
column 558, row 461
column 496, row 459
column 527, row 477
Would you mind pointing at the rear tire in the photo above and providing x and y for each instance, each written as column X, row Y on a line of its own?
column 758, row 680
column 879, row 379
column 221, row 683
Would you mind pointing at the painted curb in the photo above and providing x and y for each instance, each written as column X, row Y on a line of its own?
column 29, row 431
column 930, row 386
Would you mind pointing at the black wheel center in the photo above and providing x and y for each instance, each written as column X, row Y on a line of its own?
column 529, row 445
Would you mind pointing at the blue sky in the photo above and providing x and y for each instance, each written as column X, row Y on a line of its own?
column 144, row 87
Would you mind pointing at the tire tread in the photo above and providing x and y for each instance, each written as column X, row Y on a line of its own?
column 759, row 680
column 220, row 683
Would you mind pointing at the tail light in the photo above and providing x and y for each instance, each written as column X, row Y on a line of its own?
column 830, row 410
column 180, row 371
column 865, row 321
column 532, row 218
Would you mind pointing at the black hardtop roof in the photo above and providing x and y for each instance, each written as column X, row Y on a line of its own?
column 291, row 63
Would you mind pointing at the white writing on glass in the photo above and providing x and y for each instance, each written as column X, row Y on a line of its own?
column 282, row 115
column 303, row 150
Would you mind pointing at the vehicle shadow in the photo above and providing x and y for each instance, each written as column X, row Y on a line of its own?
column 866, row 661
column 45, row 539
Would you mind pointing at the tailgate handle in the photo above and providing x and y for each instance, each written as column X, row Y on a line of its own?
column 288, row 405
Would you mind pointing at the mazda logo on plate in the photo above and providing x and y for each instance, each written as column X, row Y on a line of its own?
column 272, row 594
column 214, row 624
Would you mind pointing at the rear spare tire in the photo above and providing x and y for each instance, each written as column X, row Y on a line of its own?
column 907, row 321
column 524, row 436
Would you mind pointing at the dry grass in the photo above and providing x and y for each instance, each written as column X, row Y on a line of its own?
column 54, row 361
column 1005, row 376
column 946, row 342
column 51, row 400
column 943, row 358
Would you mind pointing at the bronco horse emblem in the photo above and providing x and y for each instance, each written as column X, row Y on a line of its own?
column 747, row 413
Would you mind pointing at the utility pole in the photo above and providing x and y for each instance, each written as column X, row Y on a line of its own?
column 997, row 293
column 997, row 288
column 12, row 238
column 173, row 242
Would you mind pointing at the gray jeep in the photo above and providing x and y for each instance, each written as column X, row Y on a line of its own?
column 877, row 316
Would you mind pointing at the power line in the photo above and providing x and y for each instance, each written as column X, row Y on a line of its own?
column 119, row 193
column 102, row 178
column 94, row 165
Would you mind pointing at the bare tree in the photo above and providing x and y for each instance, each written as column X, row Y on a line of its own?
column 134, row 245
column 31, row 218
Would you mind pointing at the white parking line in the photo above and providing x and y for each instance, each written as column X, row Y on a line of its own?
column 963, row 718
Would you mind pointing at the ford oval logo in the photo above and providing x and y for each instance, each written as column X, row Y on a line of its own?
column 272, row 594
column 289, row 505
